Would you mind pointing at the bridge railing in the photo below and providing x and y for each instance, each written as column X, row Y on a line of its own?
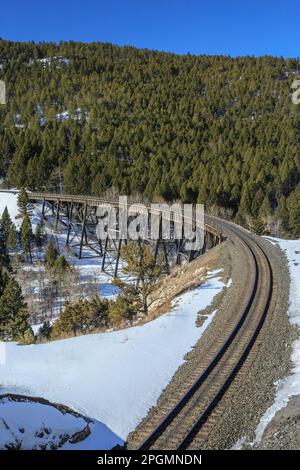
column 97, row 201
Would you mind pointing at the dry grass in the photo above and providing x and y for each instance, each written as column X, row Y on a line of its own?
column 181, row 279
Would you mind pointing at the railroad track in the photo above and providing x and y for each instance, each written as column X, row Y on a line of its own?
column 193, row 415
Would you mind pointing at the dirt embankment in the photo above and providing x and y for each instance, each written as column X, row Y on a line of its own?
column 184, row 278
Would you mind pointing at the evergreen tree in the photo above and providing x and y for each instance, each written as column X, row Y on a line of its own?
column 39, row 235
column 140, row 261
column 125, row 307
column 5, row 225
column 4, row 258
column 16, row 262
column 21, row 330
column 293, row 211
column 13, row 313
column 51, row 255
column 23, row 201
column 265, row 209
column 96, row 312
column 27, row 237
column 83, row 316
column 258, row 226
column 45, row 330
column 12, row 238
column 60, row 265
column 27, row 337
column 3, row 280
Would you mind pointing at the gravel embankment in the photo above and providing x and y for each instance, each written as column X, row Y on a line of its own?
column 226, row 259
column 253, row 390
column 283, row 432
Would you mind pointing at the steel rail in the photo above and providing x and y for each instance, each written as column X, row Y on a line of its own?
column 223, row 388
column 179, row 406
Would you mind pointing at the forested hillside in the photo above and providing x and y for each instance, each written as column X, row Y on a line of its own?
column 212, row 129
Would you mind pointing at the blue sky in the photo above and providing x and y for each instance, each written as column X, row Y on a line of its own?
column 197, row 26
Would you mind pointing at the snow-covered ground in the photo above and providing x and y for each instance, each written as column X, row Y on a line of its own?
column 10, row 201
column 290, row 385
column 31, row 425
column 112, row 377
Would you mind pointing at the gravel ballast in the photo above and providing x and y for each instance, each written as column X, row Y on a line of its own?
column 253, row 391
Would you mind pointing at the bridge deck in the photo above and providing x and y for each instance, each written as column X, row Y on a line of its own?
column 92, row 201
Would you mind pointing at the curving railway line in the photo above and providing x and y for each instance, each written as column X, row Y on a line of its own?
column 194, row 414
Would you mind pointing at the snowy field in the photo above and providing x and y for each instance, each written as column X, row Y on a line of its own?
column 112, row 377
column 290, row 385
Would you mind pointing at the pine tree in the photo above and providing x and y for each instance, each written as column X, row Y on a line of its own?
column 16, row 262
column 27, row 337
column 3, row 280
column 39, row 235
column 13, row 313
column 71, row 321
column 4, row 258
column 82, row 316
column 51, row 255
column 96, row 313
column 5, row 225
column 123, row 308
column 27, row 237
column 258, row 226
column 21, row 330
column 140, row 261
column 293, row 211
column 61, row 265
column 45, row 331
column 23, row 201
column 265, row 209
column 12, row 238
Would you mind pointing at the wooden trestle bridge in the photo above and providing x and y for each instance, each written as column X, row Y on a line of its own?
column 80, row 215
